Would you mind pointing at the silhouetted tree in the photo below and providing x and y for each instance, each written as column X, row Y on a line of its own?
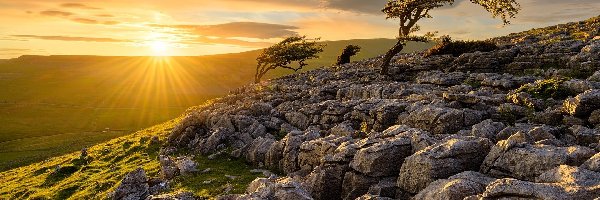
column 348, row 52
column 409, row 12
column 291, row 53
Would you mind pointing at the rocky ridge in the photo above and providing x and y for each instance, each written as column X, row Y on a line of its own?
column 519, row 122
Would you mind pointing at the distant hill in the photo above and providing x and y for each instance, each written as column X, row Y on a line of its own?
column 51, row 105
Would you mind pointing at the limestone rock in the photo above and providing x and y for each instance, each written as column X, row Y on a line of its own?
column 133, row 187
column 583, row 104
column 517, row 158
column 383, row 158
column 449, row 157
column 456, row 187
column 436, row 120
column 593, row 163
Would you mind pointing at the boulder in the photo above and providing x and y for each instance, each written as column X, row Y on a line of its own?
column 277, row 189
column 291, row 148
column 356, row 185
column 561, row 182
column 297, row 119
column 517, row 158
column 186, row 165
column 133, row 187
column 456, row 187
column 382, row 158
column 583, row 104
column 436, row 120
column 312, row 152
column 449, row 157
column 585, row 136
column 258, row 149
column 325, row 183
column 593, row 163
column 487, row 129
column 168, row 168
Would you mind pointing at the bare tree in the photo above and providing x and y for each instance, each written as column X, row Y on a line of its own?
column 409, row 12
column 291, row 53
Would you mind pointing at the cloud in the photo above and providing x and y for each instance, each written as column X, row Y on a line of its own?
column 85, row 20
column 78, row 5
column 227, row 41
column 360, row 6
column 69, row 38
column 238, row 29
column 56, row 13
column 105, row 15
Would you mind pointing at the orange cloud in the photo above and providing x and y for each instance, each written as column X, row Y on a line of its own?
column 56, row 13
column 70, row 38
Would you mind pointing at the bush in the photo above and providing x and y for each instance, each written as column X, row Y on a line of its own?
column 457, row 48
column 544, row 89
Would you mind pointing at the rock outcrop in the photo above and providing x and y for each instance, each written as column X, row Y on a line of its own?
column 518, row 122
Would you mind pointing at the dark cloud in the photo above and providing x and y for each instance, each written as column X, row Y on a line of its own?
column 69, row 38
column 360, row 6
column 78, row 5
column 238, row 29
column 56, row 13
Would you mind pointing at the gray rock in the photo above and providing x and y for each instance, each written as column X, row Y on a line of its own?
column 585, row 136
column 312, row 152
column 436, row 120
column 356, row 185
column 325, row 183
column 297, row 119
column 168, row 168
column 561, row 182
column 258, row 149
column 456, row 187
column 451, row 156
column 487, row 129
column 517, row 158
column 385, row 188
column 593, row 163
column 186, row 166
column 382, row 158
column 372, row 197
column 583, row 104
column 594, row 117
column 277, row 189
column 177, row 196
column 343, row 129
column 291, row 148
column 133, row 187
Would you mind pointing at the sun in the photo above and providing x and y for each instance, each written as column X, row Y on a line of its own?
column 159, row 48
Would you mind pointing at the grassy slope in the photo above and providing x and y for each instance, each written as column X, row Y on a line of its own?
column 58, row 104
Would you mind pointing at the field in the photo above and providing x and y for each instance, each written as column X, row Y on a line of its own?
column 52, row 105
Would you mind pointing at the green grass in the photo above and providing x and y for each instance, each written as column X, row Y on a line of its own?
column 51, row 105
column 107, row 163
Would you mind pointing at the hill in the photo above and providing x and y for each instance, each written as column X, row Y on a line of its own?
column 516, row 122
column 51, row 105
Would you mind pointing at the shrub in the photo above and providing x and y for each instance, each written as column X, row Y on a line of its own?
column 544, row 89
column 348, row 52
column 457, row 48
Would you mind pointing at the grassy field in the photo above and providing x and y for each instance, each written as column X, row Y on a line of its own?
column 52, row 105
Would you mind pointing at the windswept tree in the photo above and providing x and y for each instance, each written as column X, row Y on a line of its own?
column 409, row 12
column 348, row 52
column 291, row 53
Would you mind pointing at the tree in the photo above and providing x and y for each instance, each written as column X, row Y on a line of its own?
column 409, row 12
column 348, row 52
column 291, row 53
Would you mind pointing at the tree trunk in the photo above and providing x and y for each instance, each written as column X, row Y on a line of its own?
column 389, row 55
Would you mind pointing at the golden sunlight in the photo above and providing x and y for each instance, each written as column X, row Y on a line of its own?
column 159, row 48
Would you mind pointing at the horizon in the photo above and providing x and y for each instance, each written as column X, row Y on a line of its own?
column 196, row 28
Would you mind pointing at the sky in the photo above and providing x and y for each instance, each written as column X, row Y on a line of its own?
column 202, row 27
